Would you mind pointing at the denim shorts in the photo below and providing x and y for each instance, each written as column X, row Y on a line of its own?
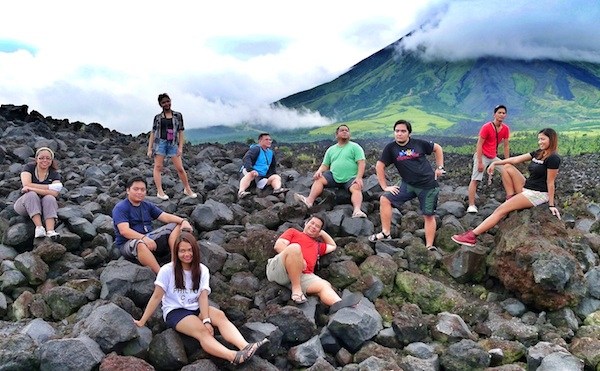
column 166, row 148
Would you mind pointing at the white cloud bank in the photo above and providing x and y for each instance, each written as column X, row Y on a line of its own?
column 221, row 62
column 545, row 29
column 224, row 62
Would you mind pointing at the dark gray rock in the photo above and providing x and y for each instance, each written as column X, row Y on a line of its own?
column 83, row 228
column 541, row 350
column 32, row 267
column 465, row 355
column 355, row 325
column 39, row 330
column 294, row 325
column 18, row 352
column 514, row 307
column 307, row 353
column 121, row 277
column 166, row 351
column 109, row 326
column 64, row 301
column 451, row 328
column 74, row 354
column 560, row 361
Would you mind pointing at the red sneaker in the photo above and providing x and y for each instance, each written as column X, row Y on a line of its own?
column 468, row 238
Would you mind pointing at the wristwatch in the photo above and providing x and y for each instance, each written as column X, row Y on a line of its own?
column 441, row 167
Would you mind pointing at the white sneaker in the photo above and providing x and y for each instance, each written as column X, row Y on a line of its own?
column 472, row 209
column 52, row 234
column 40, row 232
column 163, row 197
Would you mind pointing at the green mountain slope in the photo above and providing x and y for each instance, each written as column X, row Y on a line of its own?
column 452, row 98
column 455, row 97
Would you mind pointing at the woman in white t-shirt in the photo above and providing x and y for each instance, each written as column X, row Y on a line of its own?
column 183, row 287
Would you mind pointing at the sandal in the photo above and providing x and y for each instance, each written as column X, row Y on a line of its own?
column 301, row 199
column 379, row 236
column 299, row 298
column 280, row 190
column 248, row 351
column 349, row 300
column 359, row 214
column 243, row 194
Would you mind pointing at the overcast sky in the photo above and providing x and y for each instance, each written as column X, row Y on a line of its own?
column 224, row 62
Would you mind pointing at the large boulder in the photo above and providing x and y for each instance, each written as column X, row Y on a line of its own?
column 530, row 259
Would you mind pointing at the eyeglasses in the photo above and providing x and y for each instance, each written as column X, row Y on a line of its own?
column 44, row 158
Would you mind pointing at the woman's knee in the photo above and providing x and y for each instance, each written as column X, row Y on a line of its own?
column 216, row 315
column 49, row 199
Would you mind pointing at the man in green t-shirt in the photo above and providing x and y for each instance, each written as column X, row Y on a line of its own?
column 343, row 167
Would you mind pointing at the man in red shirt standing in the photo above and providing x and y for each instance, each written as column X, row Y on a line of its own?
column 297, row 254
column 491, row 134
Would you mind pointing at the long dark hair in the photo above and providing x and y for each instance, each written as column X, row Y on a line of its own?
column 552, row 147
column 178, row 268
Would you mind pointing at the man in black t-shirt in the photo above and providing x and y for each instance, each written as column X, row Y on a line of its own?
column 418, row 179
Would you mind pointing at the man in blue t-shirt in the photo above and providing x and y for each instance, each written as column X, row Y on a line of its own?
column 259, row 167
column 132, row 220
column 418, row 179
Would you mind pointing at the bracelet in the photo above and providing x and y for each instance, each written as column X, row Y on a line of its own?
column 207, row 320
column 549, row 206
column 181, row 222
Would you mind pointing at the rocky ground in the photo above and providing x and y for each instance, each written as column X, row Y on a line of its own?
column 526, row 297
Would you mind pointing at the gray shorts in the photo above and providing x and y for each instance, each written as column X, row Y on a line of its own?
column 331, row 183
column 159, row 235
column 478, row 175
column 276, row 272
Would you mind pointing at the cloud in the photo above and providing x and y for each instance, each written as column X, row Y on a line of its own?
column 11, row 46
column 545, row 29
column 223, row 63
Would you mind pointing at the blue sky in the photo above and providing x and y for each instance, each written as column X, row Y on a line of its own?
column 225, row 62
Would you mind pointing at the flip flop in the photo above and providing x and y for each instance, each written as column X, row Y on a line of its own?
column 299, row 298
column 379, row 236
column 349, row 300
column 243, row 194
column 359, row 214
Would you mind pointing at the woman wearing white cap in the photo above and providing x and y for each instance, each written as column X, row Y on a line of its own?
column 41, row 186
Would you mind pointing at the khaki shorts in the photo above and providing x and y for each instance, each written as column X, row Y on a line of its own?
column 478, row 175
column 276, row 272
column 535, row 197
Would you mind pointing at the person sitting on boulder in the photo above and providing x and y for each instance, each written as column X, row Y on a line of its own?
column 259, row 167
column 538, row 189
column 418, row 180
column 343, row 167
column 183, row 288
column 297, row 254
column 132, row 220
column 41, row 185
